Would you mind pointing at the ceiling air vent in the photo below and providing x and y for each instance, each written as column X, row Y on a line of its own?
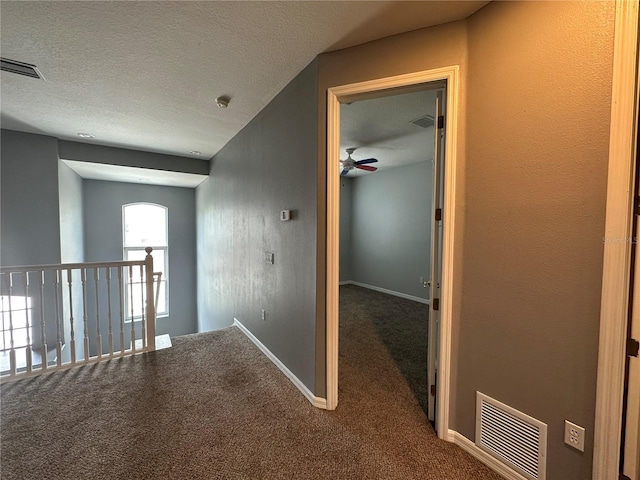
column 425, row 121
column 20, row 68
column 513, row 437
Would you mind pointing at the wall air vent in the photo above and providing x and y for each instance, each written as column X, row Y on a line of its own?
column 425, row 121
column 512, row 437
column 20, row 68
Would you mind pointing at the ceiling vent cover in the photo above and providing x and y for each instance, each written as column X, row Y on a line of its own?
column 20, row 68
column 516, row 439
column 425, row 121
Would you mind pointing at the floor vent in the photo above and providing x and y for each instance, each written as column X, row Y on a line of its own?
column 20, row 68
column 425, row 121
column 516, row 439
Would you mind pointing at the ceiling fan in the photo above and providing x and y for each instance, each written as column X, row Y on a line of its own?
column 349, row 164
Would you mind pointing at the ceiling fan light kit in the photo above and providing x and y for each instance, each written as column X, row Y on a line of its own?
column 350, row 164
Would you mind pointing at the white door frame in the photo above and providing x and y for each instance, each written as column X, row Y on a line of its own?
column 617, row 245
column 341, row 93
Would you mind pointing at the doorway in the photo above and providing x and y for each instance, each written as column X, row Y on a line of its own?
column 387, row 188
column 373, row 89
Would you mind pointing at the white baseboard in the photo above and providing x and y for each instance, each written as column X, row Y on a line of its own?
column 490, row 461
column 384, row 290
column 315, row 401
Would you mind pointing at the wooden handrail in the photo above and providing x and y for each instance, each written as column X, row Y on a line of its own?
column 70, row 266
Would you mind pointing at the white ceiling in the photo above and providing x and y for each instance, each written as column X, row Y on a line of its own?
column 381, row 128
column 144, row 75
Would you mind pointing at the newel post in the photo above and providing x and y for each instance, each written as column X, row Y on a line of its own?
column 150, row 306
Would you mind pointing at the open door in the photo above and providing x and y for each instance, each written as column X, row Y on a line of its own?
column 630, row 454
column 631, row 438
column 436, row 260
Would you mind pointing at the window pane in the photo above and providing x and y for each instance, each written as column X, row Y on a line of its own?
column 18, row 317
column 138, row 298
column 158, row 261
column 145, row 225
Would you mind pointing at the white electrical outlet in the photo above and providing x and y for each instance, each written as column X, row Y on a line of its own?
column 574, row 435
column 263, row 314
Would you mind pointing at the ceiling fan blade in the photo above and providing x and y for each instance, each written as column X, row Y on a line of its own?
column 344, row 172
column 366, row 160
column 367, row 168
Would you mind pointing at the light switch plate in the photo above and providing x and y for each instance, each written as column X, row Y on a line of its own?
column 268, row 257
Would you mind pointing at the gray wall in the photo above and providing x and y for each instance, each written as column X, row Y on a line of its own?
column 269, row 166
column 103, row 203
column 535, row 214
column 29, row 213
column 346, row 191
column 391, row 229
column 71, row 215
column 71, row 251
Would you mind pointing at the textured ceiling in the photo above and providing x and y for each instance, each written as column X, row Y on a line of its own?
column 144, row 75
column 381, row 128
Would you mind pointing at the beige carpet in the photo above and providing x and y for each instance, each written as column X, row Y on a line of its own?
column 213, row 407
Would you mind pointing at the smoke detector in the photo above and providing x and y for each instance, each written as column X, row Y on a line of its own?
column 222, row 102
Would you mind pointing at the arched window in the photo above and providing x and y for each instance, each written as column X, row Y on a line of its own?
column 146, row 225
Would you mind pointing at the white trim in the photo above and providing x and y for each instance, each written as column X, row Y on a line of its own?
column 389, row 292
column 449, row 74
column 617, row 255
column 315, row 401
column 489, row 460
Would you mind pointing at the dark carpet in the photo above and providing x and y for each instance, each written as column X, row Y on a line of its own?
column 214, row 407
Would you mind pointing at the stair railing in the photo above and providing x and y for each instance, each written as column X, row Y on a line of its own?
column 55, row 317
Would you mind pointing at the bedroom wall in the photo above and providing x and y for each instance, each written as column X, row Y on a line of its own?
column 269, row 166
column 29, row 215
column 103, row 203
column 391, row 229
column 529, row 203
column 346, row 195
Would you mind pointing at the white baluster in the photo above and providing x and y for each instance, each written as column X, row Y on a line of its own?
column 58, row 294
column 110, row 338
column 133, row 324
column 96, row 278
column 151, row 300
column 43, row 330
column 27, row 311
column 71, row 320
column 12, row 352
column 121, row 296
column 142, row 307
column 83, row 279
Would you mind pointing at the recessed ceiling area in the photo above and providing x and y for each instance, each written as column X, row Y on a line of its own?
column 118, row 173
column 383, row 128
column 146, row 75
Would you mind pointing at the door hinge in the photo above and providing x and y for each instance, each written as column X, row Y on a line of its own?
column 441, row 121
column 632, row 347
column 433, row 390
column 435, row 303
column 438, row 214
